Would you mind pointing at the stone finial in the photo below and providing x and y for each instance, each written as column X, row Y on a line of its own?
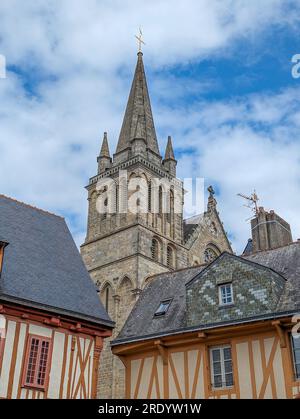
column 169, row 161
column 105, row 148
column 169, row 155
column 212, row 203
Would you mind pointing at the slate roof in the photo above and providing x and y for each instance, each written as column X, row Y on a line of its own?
column 42, row 267
column 142, row 323
column 168, row 285
column 249, row 248
column 190, row 225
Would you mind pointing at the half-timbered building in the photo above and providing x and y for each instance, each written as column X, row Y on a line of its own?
column 52, row 323
column 228, row 329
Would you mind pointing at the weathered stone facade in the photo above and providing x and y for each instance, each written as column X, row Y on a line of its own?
column 122, row 248
column 269, row 231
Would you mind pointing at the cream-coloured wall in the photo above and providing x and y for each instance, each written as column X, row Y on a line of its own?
column 262, row 369
column 71, row 361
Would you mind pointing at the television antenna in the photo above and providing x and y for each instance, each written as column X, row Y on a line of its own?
column 252, row 202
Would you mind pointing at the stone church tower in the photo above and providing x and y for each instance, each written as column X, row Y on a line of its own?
column 124, row 248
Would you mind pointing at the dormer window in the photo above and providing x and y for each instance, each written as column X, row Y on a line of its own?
column 225, row 295
column 163, row 308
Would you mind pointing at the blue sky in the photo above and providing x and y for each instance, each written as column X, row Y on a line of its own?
column 219, row 75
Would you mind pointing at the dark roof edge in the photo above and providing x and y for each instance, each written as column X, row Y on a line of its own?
column 268, row 316
column 79, row 316
column 31, row 207
column 258, row 252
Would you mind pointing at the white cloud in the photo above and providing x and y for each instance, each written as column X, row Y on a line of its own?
column 88, row 49
column 238, row 157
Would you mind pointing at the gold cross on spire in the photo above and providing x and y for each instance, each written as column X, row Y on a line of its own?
column 140, row 40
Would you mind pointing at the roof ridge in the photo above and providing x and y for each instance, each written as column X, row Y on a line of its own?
column 178, row 270
column 31, row 206
column 202, row 214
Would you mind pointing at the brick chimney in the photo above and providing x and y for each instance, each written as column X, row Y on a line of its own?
column 269, row 231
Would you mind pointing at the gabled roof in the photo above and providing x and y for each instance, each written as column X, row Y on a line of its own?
column 138, row 120
column 284, row 261
column 42, row 266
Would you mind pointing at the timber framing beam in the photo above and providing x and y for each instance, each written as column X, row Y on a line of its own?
column 162, row 351
column 282, row 338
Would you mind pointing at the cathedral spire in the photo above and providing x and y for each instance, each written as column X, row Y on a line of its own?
column 138, row 119
column 104, row 159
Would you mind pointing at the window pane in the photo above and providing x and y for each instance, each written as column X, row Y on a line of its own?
column 229, row 380
column 297, row 355
column 43, row 363
column 163, row 307
column 298, row 370
column 32, row 361
column 226, row 294
column 218, row 381
column 217, row 368
column 227, row 353
column 228, row 366
column 296, row 342
column 216, row 355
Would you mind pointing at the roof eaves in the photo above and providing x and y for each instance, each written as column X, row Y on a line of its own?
column 33, row 304
column 269, row 316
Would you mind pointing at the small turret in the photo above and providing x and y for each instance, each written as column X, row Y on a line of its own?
column 104, row 159
column 169, row 161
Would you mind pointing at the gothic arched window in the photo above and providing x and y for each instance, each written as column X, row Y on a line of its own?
column 106, row 296
column 104, row 215
column 160, row 200
column 170, row 214
column 170, row 257
column 155, row 250
column 149, row 196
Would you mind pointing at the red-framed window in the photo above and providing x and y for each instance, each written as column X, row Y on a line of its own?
column 37, row 362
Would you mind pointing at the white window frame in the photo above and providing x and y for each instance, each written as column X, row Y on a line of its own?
column 222, row 361
column 222, row 286
column 294, row 359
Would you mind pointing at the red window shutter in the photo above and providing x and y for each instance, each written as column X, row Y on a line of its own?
column 37, row 362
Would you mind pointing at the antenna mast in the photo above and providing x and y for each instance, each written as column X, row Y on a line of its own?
column 252, row 201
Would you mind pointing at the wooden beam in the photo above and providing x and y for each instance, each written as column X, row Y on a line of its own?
column 162, row 351
column 127, row 347
column 282, row 338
